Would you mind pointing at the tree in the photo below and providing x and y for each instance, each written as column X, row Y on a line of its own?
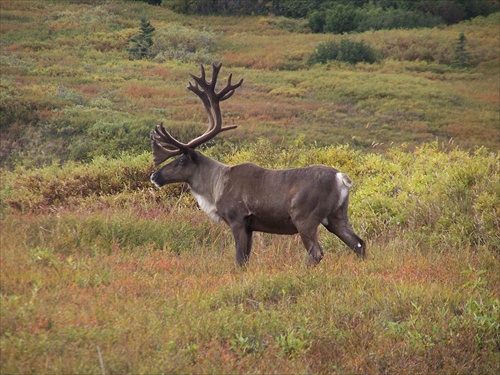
column 140, row 44
column 317, row 21
column 341, row 19
column 461, row 57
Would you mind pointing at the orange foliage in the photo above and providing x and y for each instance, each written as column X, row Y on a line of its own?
column 467, row 132
column 414, row 274
column 139, row 91
column 159, row 71
column 491, row 96
column 90, row 90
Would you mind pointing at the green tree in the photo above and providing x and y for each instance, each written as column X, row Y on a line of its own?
column 140, row 44
column 341, row 19
column 317, row 21
column 325, row 52
column 461, row 57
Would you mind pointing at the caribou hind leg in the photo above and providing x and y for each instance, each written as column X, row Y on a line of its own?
column 338, row 224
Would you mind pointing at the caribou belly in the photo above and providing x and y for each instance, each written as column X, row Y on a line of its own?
column 259, row 224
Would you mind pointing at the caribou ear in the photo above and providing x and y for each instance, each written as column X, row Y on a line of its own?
column 191, row 153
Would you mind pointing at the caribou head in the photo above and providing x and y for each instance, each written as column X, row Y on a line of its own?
column 250, row 198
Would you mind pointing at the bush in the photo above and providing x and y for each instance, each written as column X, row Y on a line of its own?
column 183, row 43
column 293, row 8
column 325, row 52
column 376, row 18
column 341, row 19
column 317, row 21
column 354, row 52
column 346, row 18
column 347, row 51
column 219, row 7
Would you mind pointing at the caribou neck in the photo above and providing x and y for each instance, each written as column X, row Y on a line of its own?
column 208, row 184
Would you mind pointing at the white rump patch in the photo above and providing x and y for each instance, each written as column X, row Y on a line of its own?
column 345, row 180
column 344, row 183
column 207, row 206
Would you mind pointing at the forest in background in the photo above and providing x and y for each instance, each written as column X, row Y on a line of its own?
column 443, row 11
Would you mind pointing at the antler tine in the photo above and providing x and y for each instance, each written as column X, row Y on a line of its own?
column 204, row 98
column 215, row 74
column 202, row 77
column 162, row 136
column 206, row 91
column 164, row 145
column 228, row 91
column 202, row 81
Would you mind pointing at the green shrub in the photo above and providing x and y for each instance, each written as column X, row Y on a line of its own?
column 341, row 19
column 354, row 52
column 371, row 17
column 347, row 51
column 325, row 52
column 317, row 21
column 219, row 7
column 461, row 57
column 183, row 43
column 55, row 186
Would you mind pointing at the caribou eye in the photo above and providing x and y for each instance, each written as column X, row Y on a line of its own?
column 181, row 161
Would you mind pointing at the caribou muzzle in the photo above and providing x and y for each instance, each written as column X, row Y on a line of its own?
column 157, row 179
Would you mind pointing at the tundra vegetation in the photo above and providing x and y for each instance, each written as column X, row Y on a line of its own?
column 102, row 273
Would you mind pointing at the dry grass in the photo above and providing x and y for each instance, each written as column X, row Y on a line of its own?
column 121, row 278
column 149, row 310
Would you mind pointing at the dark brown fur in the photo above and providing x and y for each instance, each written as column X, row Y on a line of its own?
column 250, row 198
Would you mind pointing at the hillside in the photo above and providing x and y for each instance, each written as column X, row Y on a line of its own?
column 70, row 91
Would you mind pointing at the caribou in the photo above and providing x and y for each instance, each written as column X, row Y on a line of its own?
column 247, row 197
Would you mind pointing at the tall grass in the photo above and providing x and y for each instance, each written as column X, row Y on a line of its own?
column 144, row 282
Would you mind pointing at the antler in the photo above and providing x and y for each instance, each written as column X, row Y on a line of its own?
column 165, row 146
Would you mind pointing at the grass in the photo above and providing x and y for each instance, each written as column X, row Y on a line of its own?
column 139, row 281
column 151, row 310
column 102, row 273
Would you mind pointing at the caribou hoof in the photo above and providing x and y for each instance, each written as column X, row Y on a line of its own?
column 360, row 249
column 313, row 260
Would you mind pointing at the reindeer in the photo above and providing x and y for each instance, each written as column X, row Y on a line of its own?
column 248, row 197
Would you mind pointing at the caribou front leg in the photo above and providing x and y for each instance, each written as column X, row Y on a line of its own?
column 243, row 240
column 309, row 238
